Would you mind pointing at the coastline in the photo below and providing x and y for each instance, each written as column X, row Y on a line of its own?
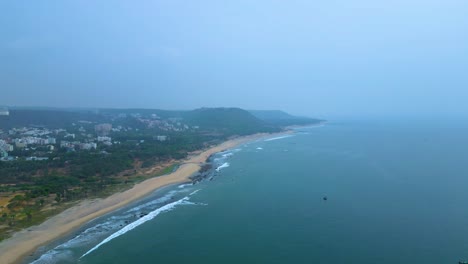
column 25, row 242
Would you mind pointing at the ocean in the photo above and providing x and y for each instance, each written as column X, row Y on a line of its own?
column 396, row 192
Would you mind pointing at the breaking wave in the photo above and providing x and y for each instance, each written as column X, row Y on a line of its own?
column 184, row 185
column 140, row 221
column 66, row 252
column 225, row 165
column 276, row 138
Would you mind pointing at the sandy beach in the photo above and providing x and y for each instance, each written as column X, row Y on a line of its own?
column 16, row 248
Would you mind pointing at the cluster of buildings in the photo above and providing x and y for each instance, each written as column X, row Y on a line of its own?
column 22, row 138
column 34, row 142
column 34, row 131
column 36, row 158
column 23, row 142
column 105, row 140
column 160, row 138
column 77, row 145
column 30, row 138
column 5, row 148
column 103, row 129
column 171, row 124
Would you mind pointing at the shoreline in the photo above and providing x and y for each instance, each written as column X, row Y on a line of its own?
column 17, row 248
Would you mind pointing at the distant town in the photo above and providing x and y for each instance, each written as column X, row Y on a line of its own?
column 36, row 143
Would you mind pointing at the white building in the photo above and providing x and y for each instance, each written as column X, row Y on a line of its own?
column 88, row 146
column 70, row 136
column 21, row 144
column 34, row 158
column 5, row 146
column 161, row 138
column 66, row 144
column 103, row 139
column 103, row 129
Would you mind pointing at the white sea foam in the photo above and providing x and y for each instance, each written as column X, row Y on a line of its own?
column 138, row 222
column 92, row 233
column 228, row 153
column 259, row 148
column 225, row 165
column 276, row 138
column 194, row 192
column 96, row 233
column 54, row 256
column 160, row 200
column 62, row 252
column 184, row 185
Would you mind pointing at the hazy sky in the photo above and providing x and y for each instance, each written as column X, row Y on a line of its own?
column 318, row 58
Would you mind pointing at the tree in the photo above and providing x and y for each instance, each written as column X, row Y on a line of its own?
column 57, row 197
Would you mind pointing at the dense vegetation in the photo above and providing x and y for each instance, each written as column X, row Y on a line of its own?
column 228, row 121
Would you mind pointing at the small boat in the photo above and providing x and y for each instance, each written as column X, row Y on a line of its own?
column 325, row 198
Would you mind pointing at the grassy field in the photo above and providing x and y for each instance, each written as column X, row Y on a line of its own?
column 30, row 212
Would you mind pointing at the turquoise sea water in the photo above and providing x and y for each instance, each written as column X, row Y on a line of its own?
column 397, row 193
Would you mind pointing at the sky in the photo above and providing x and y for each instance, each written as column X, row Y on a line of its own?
column 315, row 58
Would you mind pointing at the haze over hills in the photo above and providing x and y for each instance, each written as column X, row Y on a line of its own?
column 233, row 119
column 236, row 152
column 282, row 118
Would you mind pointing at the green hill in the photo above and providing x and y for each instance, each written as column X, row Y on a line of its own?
column 227, row 120
column 281, row 118
column 271, row 114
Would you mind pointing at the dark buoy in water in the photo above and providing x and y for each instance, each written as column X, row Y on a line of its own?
column 325, row 198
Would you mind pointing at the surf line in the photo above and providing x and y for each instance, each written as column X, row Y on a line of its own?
column 138, row 222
